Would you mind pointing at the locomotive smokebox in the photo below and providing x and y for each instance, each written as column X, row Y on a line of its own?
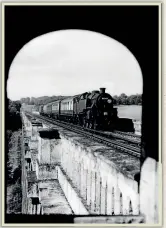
column 102, row 90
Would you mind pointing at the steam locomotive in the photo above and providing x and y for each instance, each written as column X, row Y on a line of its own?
column 93, row 110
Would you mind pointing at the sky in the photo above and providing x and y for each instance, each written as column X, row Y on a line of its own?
column 70, row 62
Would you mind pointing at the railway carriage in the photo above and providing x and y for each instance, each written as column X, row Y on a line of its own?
column 47, row 110
column 51, row 109
column 55, row 109
column 41, row 109
column 66, row 108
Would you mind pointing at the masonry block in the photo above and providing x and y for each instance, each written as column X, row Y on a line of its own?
column 149, row 191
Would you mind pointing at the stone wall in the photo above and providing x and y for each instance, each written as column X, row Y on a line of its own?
column 98, row 181
column 95, row 179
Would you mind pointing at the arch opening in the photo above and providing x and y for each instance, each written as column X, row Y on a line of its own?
column 70, row 62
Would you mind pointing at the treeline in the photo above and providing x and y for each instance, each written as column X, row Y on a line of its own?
column 13, row 123
column 40, row 100
column 123, row 99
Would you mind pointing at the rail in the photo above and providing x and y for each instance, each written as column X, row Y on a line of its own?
column 95, row 135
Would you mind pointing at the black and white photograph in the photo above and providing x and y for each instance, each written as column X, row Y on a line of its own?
column 82, row 113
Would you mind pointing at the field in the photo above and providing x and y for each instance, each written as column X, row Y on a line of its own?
column 130, row 111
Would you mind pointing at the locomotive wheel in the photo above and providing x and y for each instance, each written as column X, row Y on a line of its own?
column 84, row 122
column 95, row 125
column 91, row 125
column 87, row 125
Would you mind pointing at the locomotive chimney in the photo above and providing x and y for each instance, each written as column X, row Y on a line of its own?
column 102, row 90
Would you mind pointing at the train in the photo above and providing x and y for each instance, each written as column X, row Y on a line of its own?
column 93, row 110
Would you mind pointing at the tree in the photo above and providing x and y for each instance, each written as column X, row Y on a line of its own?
column 13, row 115
column 123, row 95
column 123, row 99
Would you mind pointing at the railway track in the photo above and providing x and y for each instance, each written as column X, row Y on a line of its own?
column 117, row 135
column 129, row 137
column 129, row 134
column 133, row 138
column 110, row 139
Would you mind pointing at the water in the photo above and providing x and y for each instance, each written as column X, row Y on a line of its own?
column 133, row 112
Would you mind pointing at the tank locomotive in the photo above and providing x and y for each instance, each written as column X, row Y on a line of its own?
column 93, row 110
